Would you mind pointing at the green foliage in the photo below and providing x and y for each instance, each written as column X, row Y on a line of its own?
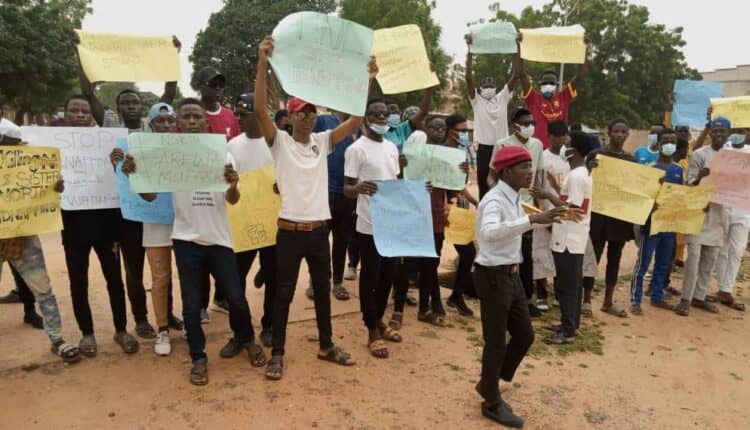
column 391, row 13
column 632, row 64
column 107, row 92
column 230, row 41
column 39, row 67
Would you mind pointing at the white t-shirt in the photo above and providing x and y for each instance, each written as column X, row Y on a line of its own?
column 157, row 235
column 576, row 190
column 491, row 117
column 556, row 167
column 370, row 160
column 249, row 154
column 201, row 217
column 302, row 176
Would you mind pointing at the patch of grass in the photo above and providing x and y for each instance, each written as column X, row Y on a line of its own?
column 476, row 340
column 30, row 367
column 589, row 339
column 461, row 320
column 453, row 367
column 429, row 334
column 471, row 329
column 736, row 376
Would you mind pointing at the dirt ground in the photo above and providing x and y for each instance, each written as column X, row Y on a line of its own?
column 658, row 371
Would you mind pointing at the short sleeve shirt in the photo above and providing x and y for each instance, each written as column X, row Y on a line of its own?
column 576, row 190
column 222, row 122
column 545, row 110
column 491, row 117
column 399, row 134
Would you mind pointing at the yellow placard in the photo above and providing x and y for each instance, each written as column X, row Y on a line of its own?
column 624, row 190
column 680, row 208
column 402, row 60
column 735, row 109
column 253, row 220
column 128, row 58
column 28, row 202
column 554, row 44
column 461, row 229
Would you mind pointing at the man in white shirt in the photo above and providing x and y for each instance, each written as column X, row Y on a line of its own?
column 500, row 223
column 202, row 243
column 490, row 116
column 301, row 166
column 522, row 128
column 569, row 238
column 703, row 248
column 371, row 158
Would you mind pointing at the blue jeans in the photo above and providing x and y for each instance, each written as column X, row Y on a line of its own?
column 194, row 263
column 662, row 244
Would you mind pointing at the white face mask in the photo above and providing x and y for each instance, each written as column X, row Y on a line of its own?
column 565, row 155
column 668, row 149
column 488, row 93
column 548, row 89
column 527, row 131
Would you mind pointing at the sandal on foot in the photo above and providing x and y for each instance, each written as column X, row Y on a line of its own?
column 391, row 334
column 636, row 309
column 614, row 310
column 337, row 355
column 127, row 342
column 275, row 368
column 199, row 374
column 144, row 330
column 662, row 304
column 340, row 293
column 727, row 299
column 87, row 345
column 256, row 355
column 432, row 318
column 411, row 300
column 378, row 348
column 706, row 306
column 69, row 353
column 683, row 309
column 586, row 310
column 396, row 321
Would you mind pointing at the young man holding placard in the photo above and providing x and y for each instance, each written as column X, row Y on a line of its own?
column 490, row 115
column 97, row 229
column 703, row 248
column 300, row 160
column 202, row 244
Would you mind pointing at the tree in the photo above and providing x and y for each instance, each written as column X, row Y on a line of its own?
column 107, row 92
column 39, row 67
column 230, row 41
column 631, row 67
column 391, row 13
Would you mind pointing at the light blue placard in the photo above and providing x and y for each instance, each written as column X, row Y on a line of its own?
column 133, row 207
column 402, row 219
column 691, row 100
column 324, row 60
column 497, row 37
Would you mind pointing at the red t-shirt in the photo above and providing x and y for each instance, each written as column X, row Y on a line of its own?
column 223, row 122
column 545, row 111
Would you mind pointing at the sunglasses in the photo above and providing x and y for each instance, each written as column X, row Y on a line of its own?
column 306, row 115
column 378, row 114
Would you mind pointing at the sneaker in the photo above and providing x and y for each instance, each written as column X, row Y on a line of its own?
column 205, row 318
column 542, row 305
column 533, row 311
column 220, row 306
column 502, row 415
column 163, row 345
column 459, row 305
column 12, row 297
column 558, row 338
column 350, row 273
column 33, row 319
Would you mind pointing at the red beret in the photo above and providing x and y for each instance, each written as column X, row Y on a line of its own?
column 296, row 104
column 508, row 156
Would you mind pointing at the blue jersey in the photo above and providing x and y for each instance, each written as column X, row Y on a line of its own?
column 643, row 155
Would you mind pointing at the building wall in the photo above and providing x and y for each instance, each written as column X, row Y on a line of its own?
column 736, row 80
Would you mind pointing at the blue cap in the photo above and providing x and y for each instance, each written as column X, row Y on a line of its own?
column 156, row 111
column 720, row 121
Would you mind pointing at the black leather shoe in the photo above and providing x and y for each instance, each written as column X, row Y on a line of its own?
column 266, row 338
column 12, row 297
column 460, row 305
column 34, row 319
column 534, row 312
column 231, row 349
column 503, row 415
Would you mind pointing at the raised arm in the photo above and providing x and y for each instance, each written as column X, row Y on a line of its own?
column 87, row 88
column 520, row 68
column 513, row 78
column 582, row 68
column 471, row 90
column 267, row 127
column 170, row 88
column 424, row 109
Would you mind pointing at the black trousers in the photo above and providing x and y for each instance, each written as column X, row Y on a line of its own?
column 400, row 282
column 502, row 304
column 614, row 254
column 77, row 262
column 429, row 288
column 526, row 269
column 484, row 156
column 568, row 290
column 464, row 283
column 133, row 255
column 268, row 266
column 374, row 281
column 291, row 248
column 342, row 229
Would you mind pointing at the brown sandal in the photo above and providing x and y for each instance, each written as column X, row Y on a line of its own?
column 396, row 321
column 390, row 334
column 727, row 299
column 615, row 310
column 378, row 348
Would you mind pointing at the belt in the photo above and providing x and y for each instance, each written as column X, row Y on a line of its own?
column 301, row 226
column 505, row 268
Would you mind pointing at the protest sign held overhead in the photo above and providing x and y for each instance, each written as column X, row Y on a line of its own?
column 497, row 37
column 88, row 174
column 691, row 100
column 324, row 60
column 30, row 204
column 735, row 109
column 128, row 58
column 402, row 60
column 554, row 44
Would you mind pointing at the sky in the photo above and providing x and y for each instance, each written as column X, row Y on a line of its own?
column 711, row 30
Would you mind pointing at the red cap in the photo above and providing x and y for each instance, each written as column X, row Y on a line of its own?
column 296, row 104
column 508, row 156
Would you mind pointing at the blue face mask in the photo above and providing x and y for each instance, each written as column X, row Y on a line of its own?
column 463, row 138
column 652, row 138
column 379, row 129
column 394, row 120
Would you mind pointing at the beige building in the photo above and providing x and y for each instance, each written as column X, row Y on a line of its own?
column 736, row 80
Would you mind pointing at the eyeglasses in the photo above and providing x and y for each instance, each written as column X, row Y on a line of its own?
column 379, row 114
column 310, row 116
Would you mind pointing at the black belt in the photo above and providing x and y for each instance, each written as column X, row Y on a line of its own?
column 505, row 268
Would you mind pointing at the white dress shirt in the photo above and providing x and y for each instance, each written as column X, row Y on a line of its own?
column 500, row 223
